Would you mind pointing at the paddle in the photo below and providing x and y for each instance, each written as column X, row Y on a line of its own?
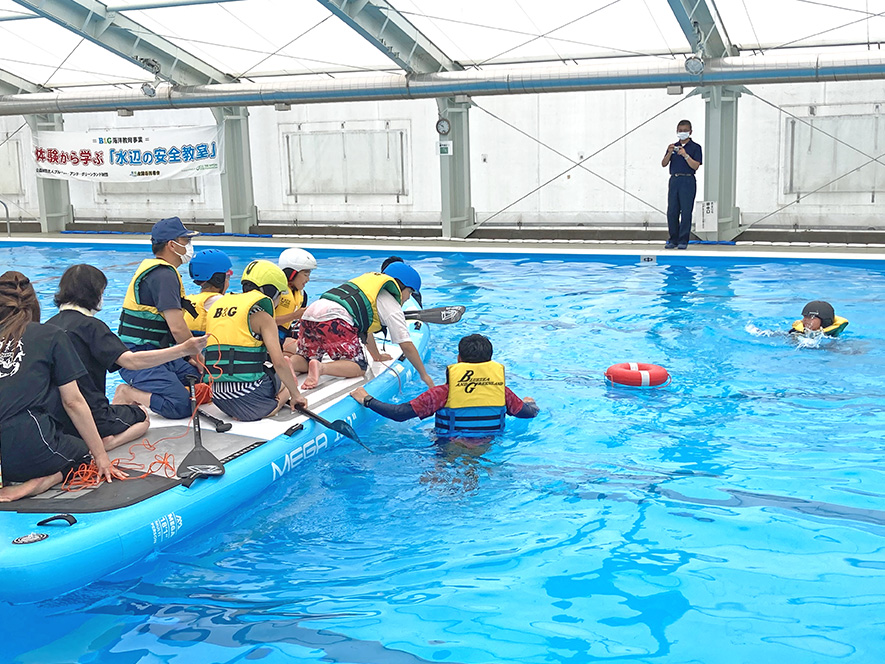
column 220, row 425
column 438, row 315
column 199, row 462
column 340, row 426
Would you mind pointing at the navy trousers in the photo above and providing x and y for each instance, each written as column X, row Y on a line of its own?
column 680, row 201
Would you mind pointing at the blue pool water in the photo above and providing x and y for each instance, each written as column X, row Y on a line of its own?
column 736, row 515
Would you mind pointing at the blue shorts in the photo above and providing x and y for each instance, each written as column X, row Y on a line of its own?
column 165, row 383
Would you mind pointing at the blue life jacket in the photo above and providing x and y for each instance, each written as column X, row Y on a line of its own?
column 476, row 404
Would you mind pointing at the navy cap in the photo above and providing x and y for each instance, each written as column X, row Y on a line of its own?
column 170, row 229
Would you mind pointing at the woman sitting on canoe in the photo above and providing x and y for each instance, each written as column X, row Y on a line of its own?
column 38, row 379
column 79, row 297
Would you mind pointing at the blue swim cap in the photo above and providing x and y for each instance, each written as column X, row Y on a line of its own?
column 406, row 274
column 208, row 262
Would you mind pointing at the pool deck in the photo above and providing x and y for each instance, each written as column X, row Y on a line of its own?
column 811, row 250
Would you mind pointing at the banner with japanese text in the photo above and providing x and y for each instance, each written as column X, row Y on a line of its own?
column 129, row 155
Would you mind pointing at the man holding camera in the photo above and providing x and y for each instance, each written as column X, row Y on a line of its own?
column 684, row 157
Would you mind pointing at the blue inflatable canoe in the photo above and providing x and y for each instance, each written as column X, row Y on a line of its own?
column 58, row 541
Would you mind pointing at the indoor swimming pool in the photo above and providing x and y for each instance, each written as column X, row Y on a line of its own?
column 734, row 515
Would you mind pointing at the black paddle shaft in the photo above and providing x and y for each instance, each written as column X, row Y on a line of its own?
column 199, row 462
column 198, row 435
column 220, row 425
column 340, row 426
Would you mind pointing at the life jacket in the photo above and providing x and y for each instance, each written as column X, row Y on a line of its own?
column 833, row 330
column 140, row 324
column 234, row 354
column 197, row 323
column 359, row 296
column 290, row 302
column 476, row 403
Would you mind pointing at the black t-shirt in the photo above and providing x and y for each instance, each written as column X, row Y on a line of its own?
column 98, row 348
column 31, row 373
column 160, row 288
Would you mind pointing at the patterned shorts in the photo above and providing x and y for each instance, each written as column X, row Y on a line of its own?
column 337, row 339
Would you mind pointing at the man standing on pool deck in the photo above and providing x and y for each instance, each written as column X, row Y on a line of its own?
column 152, row 318
column 684, row 157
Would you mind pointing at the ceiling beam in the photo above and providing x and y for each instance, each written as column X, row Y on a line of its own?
column 393, row 34
column 124, row 37
column 505, row 81
column 701, row 30
column 10, row 84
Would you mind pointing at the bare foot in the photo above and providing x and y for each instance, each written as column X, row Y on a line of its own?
column 314, row 371
column 29, row 488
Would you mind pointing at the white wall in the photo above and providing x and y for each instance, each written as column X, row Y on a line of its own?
column 507, row 165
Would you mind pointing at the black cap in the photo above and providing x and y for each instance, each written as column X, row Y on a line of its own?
column 821, row 309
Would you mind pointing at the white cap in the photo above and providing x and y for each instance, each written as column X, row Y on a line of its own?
column 297, row 259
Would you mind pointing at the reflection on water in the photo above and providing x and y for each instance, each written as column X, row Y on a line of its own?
column 735, row 515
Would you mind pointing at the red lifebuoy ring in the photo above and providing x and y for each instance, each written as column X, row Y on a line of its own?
column 636, row 374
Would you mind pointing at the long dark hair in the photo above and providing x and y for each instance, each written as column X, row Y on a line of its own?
column 82, row 285
column 18, row 307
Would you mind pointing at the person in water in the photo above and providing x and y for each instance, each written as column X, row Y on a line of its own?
column 80, row 296
column 38, row 383
column 472, row 403
column 818, row 317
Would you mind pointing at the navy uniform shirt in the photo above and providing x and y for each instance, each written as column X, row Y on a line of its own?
column 160, row 288
column 678, row 163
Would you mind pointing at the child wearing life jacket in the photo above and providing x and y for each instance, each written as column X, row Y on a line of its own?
column 296, row 264
column 243, row 337
column 819, row 316
column 211, row 270
column 472, row 403
column 344, row 318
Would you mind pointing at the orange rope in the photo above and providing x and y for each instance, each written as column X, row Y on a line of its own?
column 86, row 475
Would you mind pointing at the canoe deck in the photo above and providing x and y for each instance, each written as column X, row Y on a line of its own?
column 175, row 439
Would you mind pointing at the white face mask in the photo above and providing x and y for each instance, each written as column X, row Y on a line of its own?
column 683, row 135
column 188, row 252
column 100, row 303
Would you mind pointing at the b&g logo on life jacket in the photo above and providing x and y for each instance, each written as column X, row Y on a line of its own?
column 466, row 378
column 470, row 383
column 221, row 312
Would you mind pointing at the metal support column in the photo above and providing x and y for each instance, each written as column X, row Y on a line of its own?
column 458, row 215
column 720, row 159
column 237, row 194
column 54, row 196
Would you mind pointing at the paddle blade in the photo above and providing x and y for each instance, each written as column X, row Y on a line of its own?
column 200, row 463
column 439, row 315
column 339, row 426
column 345, row 429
